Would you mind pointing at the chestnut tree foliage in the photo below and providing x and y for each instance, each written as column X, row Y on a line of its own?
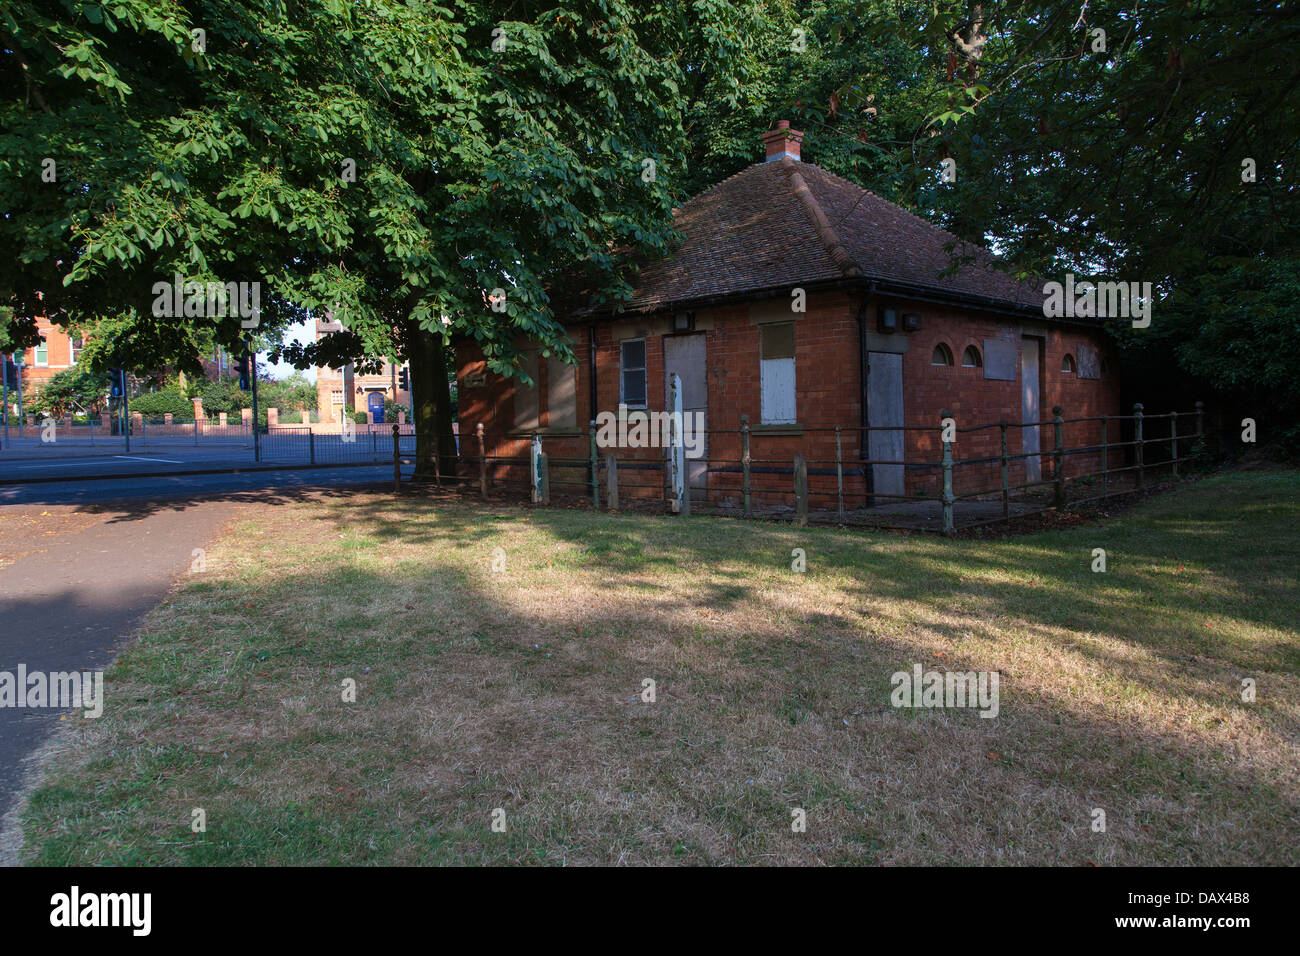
column 391, row 163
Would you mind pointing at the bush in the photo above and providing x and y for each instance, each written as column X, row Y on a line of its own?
column 166, row 401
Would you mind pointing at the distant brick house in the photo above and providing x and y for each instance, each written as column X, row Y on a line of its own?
column 338, row 388
column 884, row 341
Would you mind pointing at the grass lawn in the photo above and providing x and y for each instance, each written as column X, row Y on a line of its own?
column 521, row 689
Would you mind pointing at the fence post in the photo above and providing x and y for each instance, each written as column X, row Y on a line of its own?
column 611, row 476
column 801, row 490
column 1137, row 442
column 839, row 477
column 1006, row 478
column 1058, row 452
column 947, row 497
column 397, row 462
column 1105, row 460
column 482, row 462
column 544, row 462
column 1173, row 441
column 311, row 446
column 144, row 432
column 1200, row 421
column 535, row 468
column 196, row 433
column 437, row 459
column 744, row 459
column 595, row 472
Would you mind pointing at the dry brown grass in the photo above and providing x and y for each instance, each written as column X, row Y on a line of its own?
column 521, row 690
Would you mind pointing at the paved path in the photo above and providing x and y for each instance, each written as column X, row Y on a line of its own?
column 69, row 604
column 82, row 562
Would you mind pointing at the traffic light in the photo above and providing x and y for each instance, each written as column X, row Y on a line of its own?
column 117, row 383
column 404, row 379
column 244, row 381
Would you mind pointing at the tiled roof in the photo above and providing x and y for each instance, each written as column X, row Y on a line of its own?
column 780, row 224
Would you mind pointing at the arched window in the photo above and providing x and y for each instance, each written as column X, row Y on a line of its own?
column 971, row 358
column 1067, row 364
column 942, row 355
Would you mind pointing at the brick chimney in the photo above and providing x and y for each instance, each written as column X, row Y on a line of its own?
column 783, row 142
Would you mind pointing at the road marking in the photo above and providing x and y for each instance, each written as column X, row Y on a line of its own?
column 169, row 461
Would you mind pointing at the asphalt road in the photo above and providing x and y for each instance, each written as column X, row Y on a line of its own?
column 75, row 581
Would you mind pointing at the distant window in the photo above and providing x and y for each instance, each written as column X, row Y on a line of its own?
column 971, row 358
column 942, row 355
column 527, row 397
column 561, row 394
column 42, row 354
column 1067, row 364
column 632, row 378
column 74, row 349
column 776, row 371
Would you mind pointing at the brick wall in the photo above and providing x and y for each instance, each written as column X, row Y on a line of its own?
column 828, row 392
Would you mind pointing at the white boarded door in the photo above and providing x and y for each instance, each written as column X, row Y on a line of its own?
column 686, row 355
column 1029, row 409
column 885, row 407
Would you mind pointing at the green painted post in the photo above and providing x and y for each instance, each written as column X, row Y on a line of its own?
column 1058, row 452
column 744, row 459
column 1173, row 441
column 611, row 477
column 948, row 526
column 839, row 476
column 1006, row 477
column 1105, row 460
column 1137, row 443
column 482, row 462
column 595, row 477
column 801, row 490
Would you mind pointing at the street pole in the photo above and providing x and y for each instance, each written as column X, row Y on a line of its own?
column 5, row 363
column 252, row 366
column 18, row 371
column 126, row 412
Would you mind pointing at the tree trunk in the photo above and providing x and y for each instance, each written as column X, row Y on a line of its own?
column 432, row 396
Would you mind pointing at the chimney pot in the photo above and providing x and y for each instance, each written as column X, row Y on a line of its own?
column 783, row 142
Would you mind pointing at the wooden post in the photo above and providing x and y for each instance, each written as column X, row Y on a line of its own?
column 1137, row 442
column 1058, row 452
column 611, row 476
column 800, row 490
column 1105, row 459
column 482, row 462
column 744, row 460
column 1173, row 441
column 839, row 476
column 1200, row 421
column 545, row 462
column 947, row 497
column 1006, row 477
column 397, row 463
column 595, row 474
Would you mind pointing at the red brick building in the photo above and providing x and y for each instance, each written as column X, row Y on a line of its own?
column 339, row 388
column 883, row 339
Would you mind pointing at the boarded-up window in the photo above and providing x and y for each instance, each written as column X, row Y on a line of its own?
column 561, row 394
column 1000, row 359
column 776, row 370
column 1089, row 362
column 526, row 408
column 632, row 389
